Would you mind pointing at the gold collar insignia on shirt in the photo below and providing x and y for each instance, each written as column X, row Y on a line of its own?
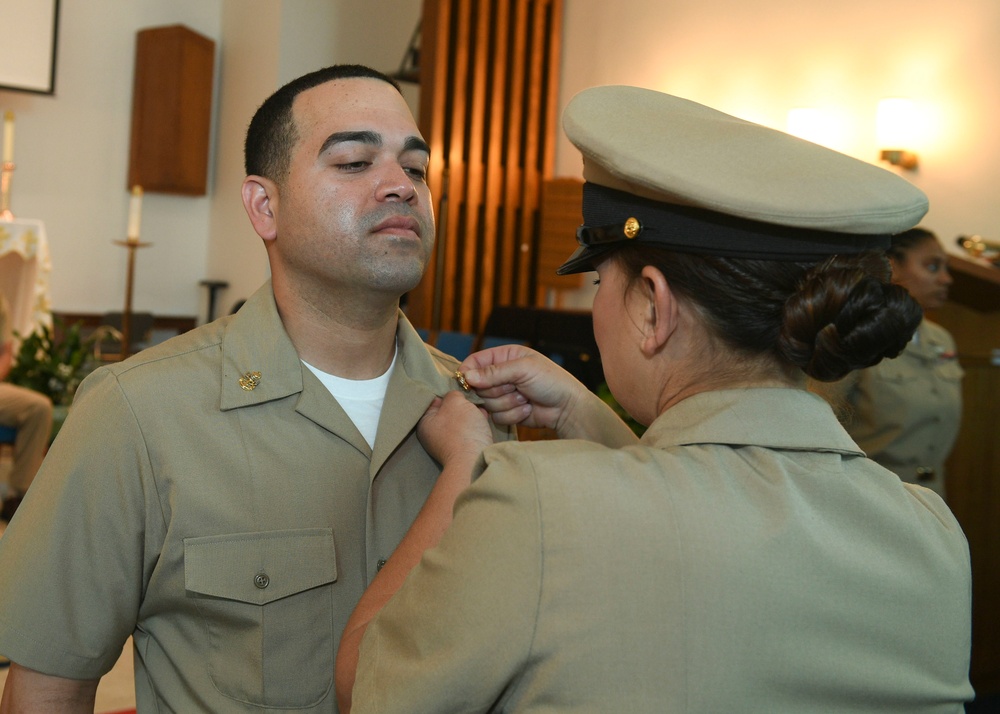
column 249, row 381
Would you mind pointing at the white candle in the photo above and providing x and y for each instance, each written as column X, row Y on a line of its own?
column 135, row 213
column 8, row 137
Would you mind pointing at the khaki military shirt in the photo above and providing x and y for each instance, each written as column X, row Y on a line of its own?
column 744, row 557
column 210, row 498
column 905, row 412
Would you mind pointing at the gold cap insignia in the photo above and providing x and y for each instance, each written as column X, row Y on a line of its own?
column 632, row 227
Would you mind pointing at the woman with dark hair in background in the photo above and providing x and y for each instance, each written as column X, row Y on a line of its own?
column 905, row 412
column 743, row 555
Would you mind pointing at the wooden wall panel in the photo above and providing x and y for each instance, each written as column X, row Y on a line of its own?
column 171, row 111
column 561, row 215
column 489, row 86
column 973, row 485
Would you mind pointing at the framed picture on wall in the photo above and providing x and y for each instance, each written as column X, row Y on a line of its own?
column 28, row 45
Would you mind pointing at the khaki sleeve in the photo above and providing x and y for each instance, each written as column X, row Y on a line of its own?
column 77, row 545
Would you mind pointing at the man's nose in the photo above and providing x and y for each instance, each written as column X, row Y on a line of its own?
column 395, row 184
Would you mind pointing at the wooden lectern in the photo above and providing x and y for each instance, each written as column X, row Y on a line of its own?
column 972, row 315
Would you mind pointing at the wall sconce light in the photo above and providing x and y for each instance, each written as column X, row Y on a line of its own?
column 895, row 127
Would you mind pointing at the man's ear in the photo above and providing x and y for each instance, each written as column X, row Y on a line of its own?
column 662, row 310
column 260, row 199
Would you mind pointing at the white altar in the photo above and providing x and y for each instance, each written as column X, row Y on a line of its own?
column 25, row 268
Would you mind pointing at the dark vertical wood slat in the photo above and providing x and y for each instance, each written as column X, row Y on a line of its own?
column 509, row 238
column 457, row 103
column 545, row 274
column 551, row 98
column 474, row 260
column 434, row 48
column 531, row 183
column 494, row 158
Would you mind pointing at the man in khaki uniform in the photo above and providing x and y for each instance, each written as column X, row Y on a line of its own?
column 225, row 498
column 27, row 411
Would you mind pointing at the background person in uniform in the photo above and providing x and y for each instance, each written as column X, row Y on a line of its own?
column 225, row 497
column 744, row 555
column 27, row 411
column 905, row 412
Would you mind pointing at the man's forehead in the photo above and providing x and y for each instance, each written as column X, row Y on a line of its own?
column 343, row 99
column 352, row 106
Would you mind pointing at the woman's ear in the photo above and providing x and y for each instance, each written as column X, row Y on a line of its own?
column 260, row 199
column 662, row 313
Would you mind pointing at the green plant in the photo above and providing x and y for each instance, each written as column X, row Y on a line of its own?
column 605, row 394
column 56, row 368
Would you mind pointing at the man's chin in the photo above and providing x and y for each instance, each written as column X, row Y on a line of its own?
column 399, row 282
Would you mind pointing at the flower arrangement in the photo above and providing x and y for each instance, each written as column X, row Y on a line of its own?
column 56, row 368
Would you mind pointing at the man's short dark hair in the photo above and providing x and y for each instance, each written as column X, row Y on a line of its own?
column 272, row 133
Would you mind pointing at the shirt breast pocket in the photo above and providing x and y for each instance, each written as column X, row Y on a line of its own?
column 267, row 605
column 949, row 370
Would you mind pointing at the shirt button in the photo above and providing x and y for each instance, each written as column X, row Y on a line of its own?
column 379, row 564
column 261, row 581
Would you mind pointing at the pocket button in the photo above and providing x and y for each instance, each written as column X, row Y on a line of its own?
column 261, row 580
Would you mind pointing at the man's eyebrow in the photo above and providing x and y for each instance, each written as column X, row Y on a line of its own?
column 415, row 143
column 362, row 137
column 372, row 138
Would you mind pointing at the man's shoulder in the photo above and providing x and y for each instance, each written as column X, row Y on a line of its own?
column 442, row 359
column 184, row 346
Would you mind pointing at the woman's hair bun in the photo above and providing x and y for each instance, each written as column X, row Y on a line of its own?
column 846, row 316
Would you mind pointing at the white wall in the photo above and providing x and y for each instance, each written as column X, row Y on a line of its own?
column 250, row 58
column 758, row 60
column 72, row 148
column 72, row 164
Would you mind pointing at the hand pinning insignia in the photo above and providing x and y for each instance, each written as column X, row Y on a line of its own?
column 250, row 380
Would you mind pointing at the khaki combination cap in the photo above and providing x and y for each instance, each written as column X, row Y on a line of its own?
column 667, row 171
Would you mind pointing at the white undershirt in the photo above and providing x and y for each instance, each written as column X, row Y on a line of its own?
column 360, row 398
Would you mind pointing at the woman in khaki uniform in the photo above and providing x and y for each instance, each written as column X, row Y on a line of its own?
column 905, row 412
column 744, row 555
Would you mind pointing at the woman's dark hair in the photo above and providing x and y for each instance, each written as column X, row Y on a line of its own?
column 271, row 134
column 825, row 318
column 903, row 242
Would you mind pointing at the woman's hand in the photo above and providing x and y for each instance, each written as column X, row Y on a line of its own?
column 453, row 429
column 520, row 386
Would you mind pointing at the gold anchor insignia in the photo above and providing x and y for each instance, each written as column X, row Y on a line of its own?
column 250, row 380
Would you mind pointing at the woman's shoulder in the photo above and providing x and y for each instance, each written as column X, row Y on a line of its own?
column 578, row 461
column 543, row 451
column 935, row 333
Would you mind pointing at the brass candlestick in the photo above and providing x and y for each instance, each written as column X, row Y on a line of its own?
column 132, row 245
column 6, row 174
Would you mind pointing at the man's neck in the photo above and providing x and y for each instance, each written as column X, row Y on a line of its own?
column 347, row 343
